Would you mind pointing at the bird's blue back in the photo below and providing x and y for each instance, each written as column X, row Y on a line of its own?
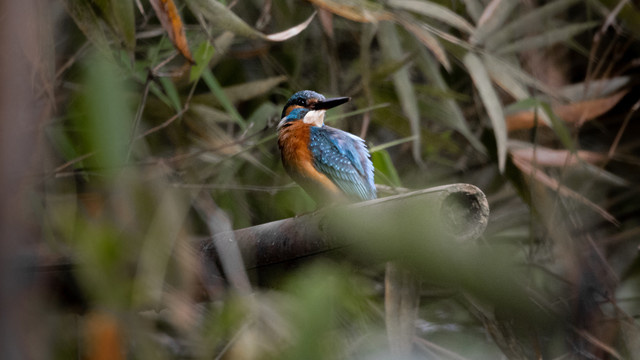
column 344, row 159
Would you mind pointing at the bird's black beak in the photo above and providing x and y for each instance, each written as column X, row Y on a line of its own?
column 330, row 103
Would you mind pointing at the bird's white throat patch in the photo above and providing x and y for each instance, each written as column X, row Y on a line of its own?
column 314, row 117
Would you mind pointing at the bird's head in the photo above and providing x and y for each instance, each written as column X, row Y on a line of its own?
column 309, row 106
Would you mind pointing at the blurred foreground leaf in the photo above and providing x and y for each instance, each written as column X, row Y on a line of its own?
column 107, row 117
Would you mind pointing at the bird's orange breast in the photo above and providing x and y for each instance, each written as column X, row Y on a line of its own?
column 293, row 141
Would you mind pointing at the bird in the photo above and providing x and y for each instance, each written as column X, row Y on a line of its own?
column 331, row 165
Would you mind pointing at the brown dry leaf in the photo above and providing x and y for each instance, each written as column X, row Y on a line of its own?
column 359, row 11
column 556, row 158
column 172, row 23
column 104, row 337
column 553, row 184
column 578, row 112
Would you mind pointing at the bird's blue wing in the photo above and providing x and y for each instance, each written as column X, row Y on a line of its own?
column 344, row 159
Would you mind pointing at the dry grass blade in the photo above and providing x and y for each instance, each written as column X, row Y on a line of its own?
column 553, row 184
column 219, row 222
column 165, row 231
column 435, row 11
column 557, row 158
column 356, row 10
column 488, row 12
column 594, row 88
column 291, row 32
column 572, row 113
column 172, row 23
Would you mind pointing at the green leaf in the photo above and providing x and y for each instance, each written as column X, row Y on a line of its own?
column 242, row 92
column 383, row 164
column 474, row 9
column 391, row 144
column 559, row 127
column 261, row 116
column 120, row 15
column 390, row 44
column 548, row 38
column 531, row 20
column 332, row 118
column 499, row 64
column 521, row 105
column 202, row 56
column 390, row 66
column 171, row 91
column 454, row 117
column 422, row 32
column 491, row 103
column 511, row 84
column 155, row 89
column 217, row 90
column 253, row 89
column 222, row 17
column 87, row 21
column 434, row 11
column 493, row 17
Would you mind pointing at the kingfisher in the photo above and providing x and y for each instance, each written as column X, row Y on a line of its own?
column 331, row 165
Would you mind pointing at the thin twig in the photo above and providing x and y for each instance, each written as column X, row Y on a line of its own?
column 73, row 161
column 164, row 124
column 627, row 118
column 136, row 120
column 256, row 188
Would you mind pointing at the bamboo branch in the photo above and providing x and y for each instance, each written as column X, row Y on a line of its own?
column 457, row 211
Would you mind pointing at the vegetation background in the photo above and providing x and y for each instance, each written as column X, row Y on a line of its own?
column 111, row 138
